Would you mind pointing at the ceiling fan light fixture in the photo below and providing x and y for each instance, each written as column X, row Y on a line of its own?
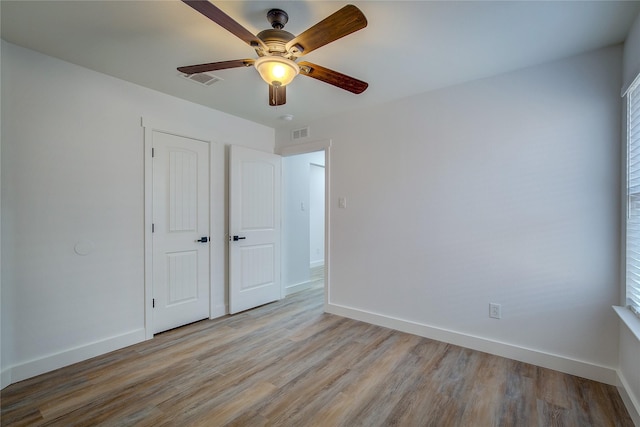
column 276, row 71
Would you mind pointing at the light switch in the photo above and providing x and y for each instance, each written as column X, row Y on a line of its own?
column 342, row 202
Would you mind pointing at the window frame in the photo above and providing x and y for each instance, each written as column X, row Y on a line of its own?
column 632, row 198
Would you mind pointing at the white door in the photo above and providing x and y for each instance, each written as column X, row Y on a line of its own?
column 180, row 231
column 254, row 228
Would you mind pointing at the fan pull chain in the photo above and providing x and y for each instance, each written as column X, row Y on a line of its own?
column 274, row 100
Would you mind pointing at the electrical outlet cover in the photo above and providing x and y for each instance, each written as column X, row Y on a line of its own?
column 495, row 311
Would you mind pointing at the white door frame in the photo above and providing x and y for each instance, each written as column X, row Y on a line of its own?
column 311, row 147
column 149, row 126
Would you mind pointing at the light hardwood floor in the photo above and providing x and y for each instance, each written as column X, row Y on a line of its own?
column 289, row 364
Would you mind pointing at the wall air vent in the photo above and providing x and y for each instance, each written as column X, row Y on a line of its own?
column 300, row 133
column 204, row 79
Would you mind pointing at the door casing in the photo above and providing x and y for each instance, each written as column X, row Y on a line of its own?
column 310, row 147
column 149, row 126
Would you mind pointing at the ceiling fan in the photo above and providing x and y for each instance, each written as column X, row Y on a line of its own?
column 278, row 49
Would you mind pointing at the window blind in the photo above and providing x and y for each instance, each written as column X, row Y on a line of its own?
column 633, row 198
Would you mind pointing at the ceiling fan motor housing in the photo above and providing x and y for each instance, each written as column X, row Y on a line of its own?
column 278, row 18
column 276, row 41
column 276, row 38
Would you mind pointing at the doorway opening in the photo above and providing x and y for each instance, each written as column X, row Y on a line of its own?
column 304, row 221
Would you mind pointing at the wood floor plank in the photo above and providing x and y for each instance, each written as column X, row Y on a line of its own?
column 552, row 388
column 289, row 364
column 517, row 406
column 486, row 391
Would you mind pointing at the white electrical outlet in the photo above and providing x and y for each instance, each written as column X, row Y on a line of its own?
column 495, row 310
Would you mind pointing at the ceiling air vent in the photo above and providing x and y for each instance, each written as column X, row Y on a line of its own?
column 204, row 79
column 300, row 133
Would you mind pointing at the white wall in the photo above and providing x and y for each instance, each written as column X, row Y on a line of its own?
column 3, row 324
column 316, row 214
column 501, row 190
column 631, row 56
column 72, row 170
column 629, row 369
column 295, row 219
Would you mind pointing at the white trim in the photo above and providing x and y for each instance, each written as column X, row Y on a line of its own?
column 214, row 246
column 308, row 147
column 219, row 310
column 314, row 264
column 68, row 357
column 292, row 289
column 547, row 360
column 634, row 83
column 5, row 378
column 311, row 147
column 629, row 319
column 327, row 225
column 218, row 232
column 630, row 401
column 177, row 129
column 148, row 220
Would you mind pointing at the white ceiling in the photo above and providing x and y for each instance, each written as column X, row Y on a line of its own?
column 408, row 47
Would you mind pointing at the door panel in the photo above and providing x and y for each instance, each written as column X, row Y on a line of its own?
column 257, row 198
column 182, row 277
column 180, row 218
column 183, row 190
column 254, row 217
column 252, row 257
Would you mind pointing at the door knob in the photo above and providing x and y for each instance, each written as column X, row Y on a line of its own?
column 236, row 238
column 204, row 239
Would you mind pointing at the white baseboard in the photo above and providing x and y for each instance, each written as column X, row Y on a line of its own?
column 29, row 369
column 631, row 401
column 315, row 264
column 218, row 310
column 297, row 288
column 5, row 378
column 535, row 357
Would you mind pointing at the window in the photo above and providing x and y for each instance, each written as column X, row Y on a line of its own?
column 633, row 197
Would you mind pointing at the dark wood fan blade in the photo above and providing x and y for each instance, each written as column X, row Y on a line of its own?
column 277, row 95
column 226, row 22
column 344, row 22
column 332, row 77
column 212, row 66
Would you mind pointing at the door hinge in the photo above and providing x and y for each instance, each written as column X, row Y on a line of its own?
column 153, row 152
column 153, row 228
column 153, row 303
